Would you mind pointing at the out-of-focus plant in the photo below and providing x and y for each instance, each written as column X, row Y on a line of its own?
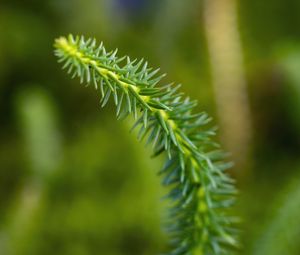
column 228, row 75
column 38, row 122
column 282, row 233
column 42, row 142
column 288, row 59
column 90, row 204
column 201, row 191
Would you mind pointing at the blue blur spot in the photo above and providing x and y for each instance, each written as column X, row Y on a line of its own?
column 133, row 5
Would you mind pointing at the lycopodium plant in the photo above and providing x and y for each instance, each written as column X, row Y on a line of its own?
column 201, row 193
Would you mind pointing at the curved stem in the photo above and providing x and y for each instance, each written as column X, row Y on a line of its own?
column 200, row 190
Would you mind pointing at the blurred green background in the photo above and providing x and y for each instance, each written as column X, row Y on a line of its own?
column 74, row 181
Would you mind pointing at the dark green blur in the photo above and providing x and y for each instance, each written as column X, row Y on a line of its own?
column 74, row 181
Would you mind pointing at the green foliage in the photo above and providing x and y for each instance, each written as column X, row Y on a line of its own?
column 89, row 202
column 281, row 235
column 200, row 190
column 38, row 123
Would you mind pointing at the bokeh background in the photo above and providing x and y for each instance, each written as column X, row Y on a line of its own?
column 74, row 181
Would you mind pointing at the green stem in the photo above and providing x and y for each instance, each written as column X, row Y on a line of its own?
column 200, row 190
